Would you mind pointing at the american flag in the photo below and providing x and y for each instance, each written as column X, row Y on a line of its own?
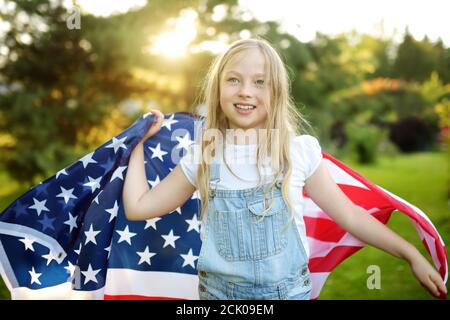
column 68, row 237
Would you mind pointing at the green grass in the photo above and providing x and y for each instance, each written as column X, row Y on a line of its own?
column 420, row 179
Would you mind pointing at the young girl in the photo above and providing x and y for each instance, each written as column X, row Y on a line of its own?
column 254, row 242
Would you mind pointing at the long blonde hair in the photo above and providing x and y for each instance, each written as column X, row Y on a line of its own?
column 281, row 115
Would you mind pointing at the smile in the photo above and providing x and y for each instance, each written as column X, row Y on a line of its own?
column 244, row 106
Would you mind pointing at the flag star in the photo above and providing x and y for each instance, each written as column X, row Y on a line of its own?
column 60, row 172
column 72, row 222
column 154, row 182
column 90, row 236
column 67, row 194
column 118, row 173
column 169, row 122
column 96, row 198
column 89, row 274
column 116, row 144
column 189, row 259
column 170, row 239
column 157, row 152
column 113, row 211
column 151, row 223
column 184, row 142
column 145, row 256
column 93, row 183
column 178, row 210
column 47, row 223
column 87, row 159
column 20, row 209
column 28, row 243
column 193, row 224
column 125, row 235
column 34, row 276
column 70, row 268
column 39, row 206
column 77, row 251
column 109, row 249
column 49, row 256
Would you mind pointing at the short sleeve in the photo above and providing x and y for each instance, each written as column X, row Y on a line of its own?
column 189, row 164
column 309, row 153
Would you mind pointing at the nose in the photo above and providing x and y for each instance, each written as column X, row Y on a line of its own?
column 245, row 91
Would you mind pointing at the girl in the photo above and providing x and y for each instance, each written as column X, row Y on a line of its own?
column 254, row 241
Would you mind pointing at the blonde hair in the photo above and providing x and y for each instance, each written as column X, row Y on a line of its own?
column 281, row 115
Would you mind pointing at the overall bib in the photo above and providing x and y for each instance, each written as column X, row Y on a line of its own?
column 247, row 253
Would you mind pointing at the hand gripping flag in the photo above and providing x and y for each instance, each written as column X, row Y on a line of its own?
column 68, row 237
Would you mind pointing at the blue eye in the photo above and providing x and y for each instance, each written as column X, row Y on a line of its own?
column 232, row 80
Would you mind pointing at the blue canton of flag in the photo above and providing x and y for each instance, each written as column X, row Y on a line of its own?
column 69, row 234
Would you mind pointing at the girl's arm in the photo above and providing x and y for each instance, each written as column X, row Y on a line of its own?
column 324, row 191
column 142, row 203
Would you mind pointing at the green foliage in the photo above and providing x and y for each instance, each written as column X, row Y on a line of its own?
column 363, row 141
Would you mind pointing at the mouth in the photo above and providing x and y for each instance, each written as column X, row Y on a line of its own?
column 244, row 108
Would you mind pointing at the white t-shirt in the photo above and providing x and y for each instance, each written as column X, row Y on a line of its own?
column 305, row 153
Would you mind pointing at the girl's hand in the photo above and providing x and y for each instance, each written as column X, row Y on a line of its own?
column 155, row 126
column 428, row 277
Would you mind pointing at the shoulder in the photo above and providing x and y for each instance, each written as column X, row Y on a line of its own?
column 306, row 141
column 306, row 154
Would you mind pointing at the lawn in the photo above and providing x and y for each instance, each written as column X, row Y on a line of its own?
column 421, row 179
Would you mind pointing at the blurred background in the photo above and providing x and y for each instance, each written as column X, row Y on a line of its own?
column 373, row 78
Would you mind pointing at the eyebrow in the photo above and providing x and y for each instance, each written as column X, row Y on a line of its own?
column 256, row 74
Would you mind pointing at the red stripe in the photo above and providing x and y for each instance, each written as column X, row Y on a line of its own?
column 136, row 297
column 332, row 259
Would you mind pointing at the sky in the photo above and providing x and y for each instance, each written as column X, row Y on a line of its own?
column 304, row 18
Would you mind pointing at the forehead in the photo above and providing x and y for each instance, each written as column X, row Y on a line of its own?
column 250, row 62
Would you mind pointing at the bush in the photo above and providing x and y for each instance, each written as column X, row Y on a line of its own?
column 413, row 134
column 363, row 141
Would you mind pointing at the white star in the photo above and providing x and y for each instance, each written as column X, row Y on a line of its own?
column 178, row 210
column 63, row 171
column 87, row 159
column 154, row 182
column 49, row 256
column 145, row 256
column 125, row 235
column 93, row 183
column 70, row 268
column 39, row 206
column 34, row 276
column 28, row 243
column 169, row 122
column 170, row 239
column 189, row 259
column 78, row 250
column 72, row 222
column 113, row 211
column 90, row 236
column 90, row 274
column 193, row 224
column 96, row 198
column 151, row 223
column 116, row 144
column 118, row 173
column 184, row 142
column 157, row 152
column 66, row 194
column 109, row 249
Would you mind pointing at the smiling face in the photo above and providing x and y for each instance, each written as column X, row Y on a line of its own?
column 245, row 91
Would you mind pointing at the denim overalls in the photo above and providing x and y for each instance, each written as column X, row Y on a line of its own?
column 247, row 254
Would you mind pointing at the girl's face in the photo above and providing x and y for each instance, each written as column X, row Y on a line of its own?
column 245, row 91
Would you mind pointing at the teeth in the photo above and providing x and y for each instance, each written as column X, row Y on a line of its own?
column 240, row 106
